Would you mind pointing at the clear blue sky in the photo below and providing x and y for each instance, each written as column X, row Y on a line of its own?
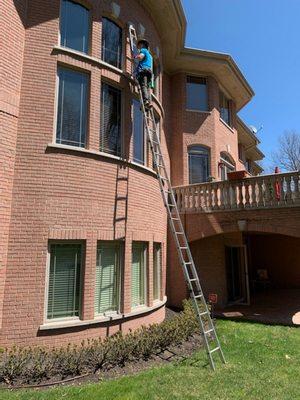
column 263, row 36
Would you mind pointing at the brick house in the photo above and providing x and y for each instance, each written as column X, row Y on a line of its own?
column 83, row 239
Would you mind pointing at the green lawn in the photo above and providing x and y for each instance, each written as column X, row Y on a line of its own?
column 263, row 363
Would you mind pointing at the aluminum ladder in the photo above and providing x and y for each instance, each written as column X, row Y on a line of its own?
column 206, row 325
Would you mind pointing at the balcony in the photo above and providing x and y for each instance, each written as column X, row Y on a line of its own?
column 258, row 192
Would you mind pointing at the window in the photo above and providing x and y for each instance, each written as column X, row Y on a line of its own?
column 225, row 112
column 156, row 79
column 196, row 94
column 71, row 126
column 64, row 280
column 111, row 43
column 74, row 26
column 138, row 274
column 198, row 164
column 248, row 165
column 138, row 133
column 110, row 137
column 241, row 150
column 157, row 261
column 226, row 165
column 108, row 273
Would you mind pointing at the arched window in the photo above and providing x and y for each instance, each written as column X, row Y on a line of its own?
column 111, row 43
column 74, row 26
column 198, row 164
column 226, row 165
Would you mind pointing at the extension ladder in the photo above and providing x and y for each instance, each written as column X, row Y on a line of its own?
column 206, row 324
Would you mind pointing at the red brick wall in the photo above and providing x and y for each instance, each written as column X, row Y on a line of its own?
column 12, row 36
column 65, row 194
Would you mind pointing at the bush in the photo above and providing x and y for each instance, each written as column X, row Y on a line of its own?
column 32, row 365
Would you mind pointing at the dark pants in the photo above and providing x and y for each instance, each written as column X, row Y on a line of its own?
column 144, row 78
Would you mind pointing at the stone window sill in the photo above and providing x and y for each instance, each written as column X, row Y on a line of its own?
column 76, row 322
column 198, row 111
column 100, row 154
column 227, row 126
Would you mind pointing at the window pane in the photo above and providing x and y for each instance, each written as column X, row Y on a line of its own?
column 156, row 79
column 138, row 134
column 198, row 164
column 156, row 271
column 111, row 43
column 138, row 274
column 107, row 278
column 110, row 140
column 196, row 94
column 74, row 26
column 225, row 109
column 64, row 280
column 72, row 108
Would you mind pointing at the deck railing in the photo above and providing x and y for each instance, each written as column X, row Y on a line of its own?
column 266, row 191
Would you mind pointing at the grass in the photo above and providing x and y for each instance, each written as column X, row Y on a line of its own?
column 263, row 363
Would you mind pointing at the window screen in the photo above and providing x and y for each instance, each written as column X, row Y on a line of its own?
column 64, row 280
column 198, row 164
column 196, row 94
column 138, row 133
column 111, row 43
column 107, row 290
column 138, row 274
column 110, row 135
column 72, row 107
column 74, row 26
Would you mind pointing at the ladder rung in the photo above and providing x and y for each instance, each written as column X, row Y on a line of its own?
column 175, row 219
column 183, row 248
column 171, row 205
column 209, row 331
column 179, row 233
column 188, row 262
column 198, row 296
column 203, row 313
column 193, row 279
column 215, row 349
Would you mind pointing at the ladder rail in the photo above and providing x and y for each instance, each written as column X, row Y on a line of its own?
column 178, row 232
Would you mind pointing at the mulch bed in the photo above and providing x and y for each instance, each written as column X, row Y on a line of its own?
column 174, row 353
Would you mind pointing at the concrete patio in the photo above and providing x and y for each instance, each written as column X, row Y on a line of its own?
column 273, row 306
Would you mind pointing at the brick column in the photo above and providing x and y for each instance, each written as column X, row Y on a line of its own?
column 126, row 293
column 88, row 286
column 150, row 275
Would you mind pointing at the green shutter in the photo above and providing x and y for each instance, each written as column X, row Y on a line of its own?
column 138, row 278
column 107, row 278
column 64, row 280
column 156, row 271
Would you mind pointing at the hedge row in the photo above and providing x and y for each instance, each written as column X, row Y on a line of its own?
column 33, row 365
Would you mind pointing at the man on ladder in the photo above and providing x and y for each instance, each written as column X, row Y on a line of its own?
column 144, row 71
column 206, row 325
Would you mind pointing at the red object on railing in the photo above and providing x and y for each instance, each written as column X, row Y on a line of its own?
column 277, row 185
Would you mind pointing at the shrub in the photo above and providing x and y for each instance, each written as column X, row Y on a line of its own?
column 31, row 365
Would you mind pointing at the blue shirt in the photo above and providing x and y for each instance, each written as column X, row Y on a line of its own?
column 147, row 61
